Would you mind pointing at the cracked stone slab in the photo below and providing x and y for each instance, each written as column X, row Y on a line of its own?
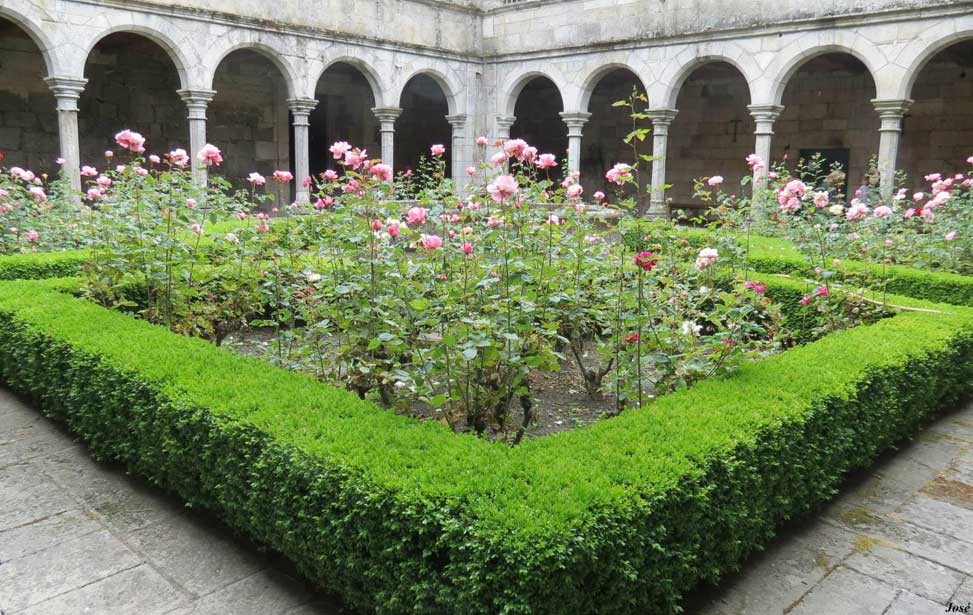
column 267, row 592
column 123, row 502
column 200, row 557
column 907, row 603
column 27, row 495
column 907, row 571
column 846, row 592
column 138, row 590
column 58, row 569
column 45, row 532
column 938, row 516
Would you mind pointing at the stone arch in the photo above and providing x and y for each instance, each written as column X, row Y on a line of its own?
column 275, row 56
column 929, row 50
column 794, row 63
column 516, row 84
column 594, row 78
column 367, row 70
column 446, row 82
column 169, row 46
column 674, row 82
column 36, row 34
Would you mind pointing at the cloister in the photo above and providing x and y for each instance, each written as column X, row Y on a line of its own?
column 889, row 82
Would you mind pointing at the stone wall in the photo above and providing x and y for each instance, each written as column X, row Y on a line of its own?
column 827, row 106
column 450, row 26
column 604, row 144
column 536, row 25
column 712, row 134
column 132, row 84
column 28, row 121
column 937, row 134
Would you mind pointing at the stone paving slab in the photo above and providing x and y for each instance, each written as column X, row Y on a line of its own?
column 78, row 537
column 898, row 540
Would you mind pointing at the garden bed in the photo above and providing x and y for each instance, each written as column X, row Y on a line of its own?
column 401, row 516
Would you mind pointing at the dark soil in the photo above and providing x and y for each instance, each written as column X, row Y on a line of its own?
column 560, row 400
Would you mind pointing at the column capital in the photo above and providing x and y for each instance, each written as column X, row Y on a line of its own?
column 300, row 108
column 457, row 121
column 662, row 116
column 891, row 108
column 765, row 113
column 387, row 114
column 506, row 121
column 575, row 121
column 66, row 90
column 197, row 100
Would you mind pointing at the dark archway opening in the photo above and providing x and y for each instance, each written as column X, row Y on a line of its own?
column 828, row 111
column 249, row 120
column 712, row 133
column 28, row 116
column 344, row 113
column 538, row 121
column 422, row 123
column 937, row 133
column 132, row 83
column 604, row 144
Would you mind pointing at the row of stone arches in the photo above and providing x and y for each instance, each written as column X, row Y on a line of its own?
column 827, row 103
column 133, row 82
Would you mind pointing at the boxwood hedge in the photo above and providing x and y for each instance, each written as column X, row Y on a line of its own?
column 402, row 516
column 779, row 256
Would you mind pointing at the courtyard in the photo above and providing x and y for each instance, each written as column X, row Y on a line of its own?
column 300, row 313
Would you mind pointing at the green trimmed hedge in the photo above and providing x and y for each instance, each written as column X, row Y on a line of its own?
column 402, row 516
column 779, row 256
column 42, row 265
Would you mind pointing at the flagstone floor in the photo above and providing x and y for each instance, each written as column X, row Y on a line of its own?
column 82, row 537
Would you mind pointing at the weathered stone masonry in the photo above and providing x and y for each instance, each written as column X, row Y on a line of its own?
column 878, row 83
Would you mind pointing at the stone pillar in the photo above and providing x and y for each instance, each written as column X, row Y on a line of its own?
column 67, row 91
column 459, row 160
column 197, row 101
column 504, row 122
column 764, row 117
column 661, row 119
column 386, row 119
column 300, row 111
column 891, row 112
column 575, row 121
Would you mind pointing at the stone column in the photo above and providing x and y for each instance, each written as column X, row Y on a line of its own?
column 386, row 119
column 764, row 117
column 67, row 91
column 504, row 122
column 661, row 119
column 459, row 160
column 891, row 112
column 300, row 111
column 575, row 121
column 197, row 101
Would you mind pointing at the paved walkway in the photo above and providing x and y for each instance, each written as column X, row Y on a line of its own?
column 79, row 537
column 898, row 540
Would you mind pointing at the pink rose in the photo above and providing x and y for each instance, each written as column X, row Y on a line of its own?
column 502, row 187
column 382, row 172
column 179, row 157
column 715, row 181
column 210, row 155
column 546, row 161
column 438, row 149
column 130, row 140
column 256, row 179
column 416, row 215
column 431, row 242
column 283, row 176
column 338, row 149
